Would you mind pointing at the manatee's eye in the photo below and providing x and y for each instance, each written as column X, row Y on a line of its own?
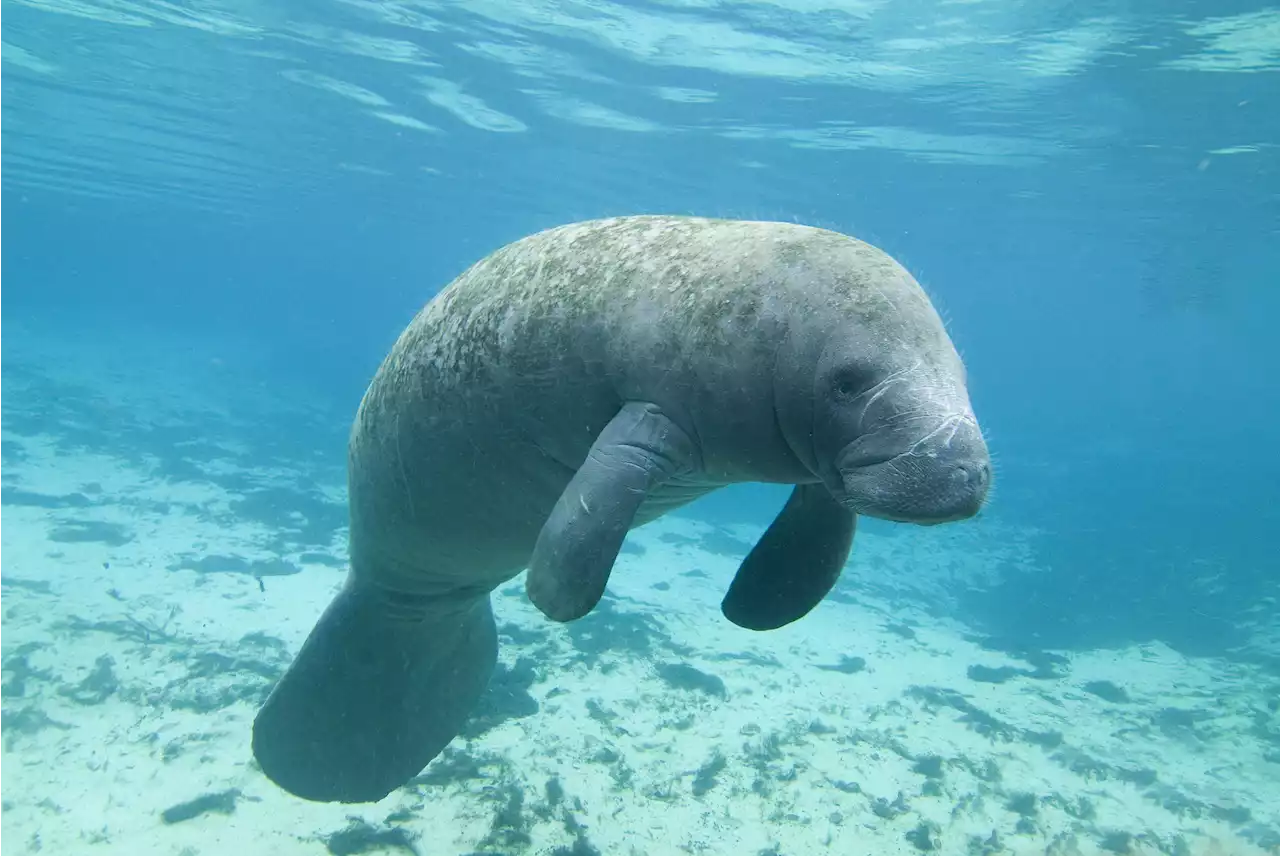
column 850, row 383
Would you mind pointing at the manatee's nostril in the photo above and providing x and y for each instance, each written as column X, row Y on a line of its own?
column 977, row 475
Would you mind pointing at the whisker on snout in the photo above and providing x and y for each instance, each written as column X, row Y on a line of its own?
column 953, row 422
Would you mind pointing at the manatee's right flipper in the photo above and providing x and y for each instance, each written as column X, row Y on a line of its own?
column 636, row 452
column 378, row 689
column 794, row 564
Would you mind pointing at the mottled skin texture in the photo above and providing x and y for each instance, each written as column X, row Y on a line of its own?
column 763, row 352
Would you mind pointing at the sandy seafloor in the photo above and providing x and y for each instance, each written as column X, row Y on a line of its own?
column 170, row 534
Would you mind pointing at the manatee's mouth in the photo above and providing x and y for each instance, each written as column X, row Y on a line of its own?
column 928, row 484
column 904, row 492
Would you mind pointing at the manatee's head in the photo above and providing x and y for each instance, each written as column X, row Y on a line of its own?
column 892, row 433
column 901, row 442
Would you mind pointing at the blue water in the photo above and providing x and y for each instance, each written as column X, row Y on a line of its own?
column 256, row 198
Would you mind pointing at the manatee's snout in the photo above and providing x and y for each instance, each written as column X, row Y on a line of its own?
column 942, row 477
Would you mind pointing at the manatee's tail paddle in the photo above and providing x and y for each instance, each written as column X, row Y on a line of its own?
column 373, row 696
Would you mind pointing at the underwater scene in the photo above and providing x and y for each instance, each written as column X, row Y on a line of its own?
column 640, row 427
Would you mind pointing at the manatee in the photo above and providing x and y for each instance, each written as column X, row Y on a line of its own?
column 584, row 381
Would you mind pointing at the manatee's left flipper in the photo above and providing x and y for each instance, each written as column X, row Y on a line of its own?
column 637, row 451
column 794, row 565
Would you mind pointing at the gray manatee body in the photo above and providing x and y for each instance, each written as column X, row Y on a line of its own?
column 574, row 385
